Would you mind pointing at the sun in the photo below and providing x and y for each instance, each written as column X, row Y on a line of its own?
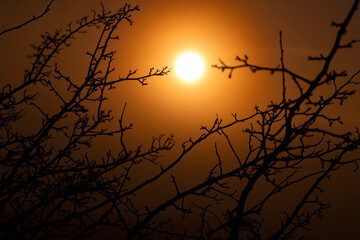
column 189, row 66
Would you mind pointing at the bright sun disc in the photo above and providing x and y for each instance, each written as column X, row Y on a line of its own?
column 189, row 66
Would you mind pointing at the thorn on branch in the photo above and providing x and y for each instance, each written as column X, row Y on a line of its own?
column 320, row 58
column 336, row 24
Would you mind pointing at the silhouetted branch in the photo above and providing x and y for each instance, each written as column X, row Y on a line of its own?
column 34, row 18
column 254, row 68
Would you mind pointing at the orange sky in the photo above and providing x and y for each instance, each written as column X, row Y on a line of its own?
column 162, row 30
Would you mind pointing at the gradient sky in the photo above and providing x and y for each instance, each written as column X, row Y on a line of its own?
column 162, row 30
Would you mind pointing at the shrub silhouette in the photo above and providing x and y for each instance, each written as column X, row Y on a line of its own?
column 52, row 188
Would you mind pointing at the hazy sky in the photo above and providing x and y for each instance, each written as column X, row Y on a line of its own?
column 162, row 30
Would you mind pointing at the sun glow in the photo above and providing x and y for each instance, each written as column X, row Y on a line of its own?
column 189, row 66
